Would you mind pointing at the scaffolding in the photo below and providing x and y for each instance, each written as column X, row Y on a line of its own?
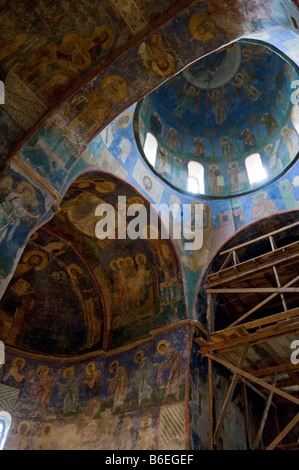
column 260, row 295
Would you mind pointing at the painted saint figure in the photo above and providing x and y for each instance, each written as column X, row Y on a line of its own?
column 248, row 139
column 45, row 442
column 269, row 122
column 199, row 147
column 19, row 441
column 164, row 166
column 237, row 213
column 243, row 81
column 227, row 147
column 186, row 101
column 101, row 100
column 19, row 318
column 237, row 177
column 290, row 139
column 220, row 105
column 43, row 389
column 118, row 384
column 157, row 55
column 125, row 436
column 273, row 157
column 144, row 280
column 155, row 123
column 71, row 389
column 142, row 376
column 173, row 138
column 263, row 206
column 173, row 362
column 13, row 209
column 89, row 301
column 17, row 365
column 216, row 180
column 92, row 388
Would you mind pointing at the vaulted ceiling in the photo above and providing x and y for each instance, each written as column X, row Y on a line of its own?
column 69, row 68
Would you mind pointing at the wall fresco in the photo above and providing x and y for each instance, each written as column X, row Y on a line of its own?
column 32, row 315
column 125, row 391
column 23, row 202
column 143, row 281
column 51, row 154
column 56, row 399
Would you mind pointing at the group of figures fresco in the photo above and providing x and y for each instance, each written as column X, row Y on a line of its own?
column 52, row 69
column 163, row 428
column 143, row 278
column 48, row 258
column 137, row 379
column 142, row 275
column 131, row 431
column 149, row 284
column 66, row 51
column 22, row 203
column 50, row 51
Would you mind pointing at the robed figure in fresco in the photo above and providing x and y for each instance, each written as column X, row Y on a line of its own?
column 71, row 390
column 173, row 362
column 118, row 384
column 142, row 376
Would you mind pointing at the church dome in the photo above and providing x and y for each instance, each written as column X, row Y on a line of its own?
column 225, row 125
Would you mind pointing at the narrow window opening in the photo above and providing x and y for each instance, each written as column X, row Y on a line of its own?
column 150, row 148
column 255, row 170
column 196, row 182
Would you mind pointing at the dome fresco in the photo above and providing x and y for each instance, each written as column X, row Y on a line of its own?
column 231, row 104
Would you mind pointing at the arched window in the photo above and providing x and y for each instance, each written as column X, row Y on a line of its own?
column 150, row 148
column 5, row 422
column 295, row 117
column 196, row 182
column 255, row 170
